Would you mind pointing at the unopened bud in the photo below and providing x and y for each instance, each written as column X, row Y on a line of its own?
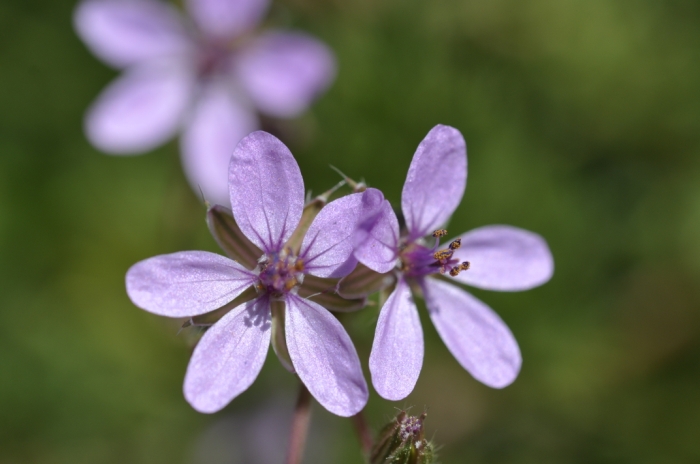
column 402, row 442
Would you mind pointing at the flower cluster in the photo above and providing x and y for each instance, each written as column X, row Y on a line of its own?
column 290, row 262
column 206, row 74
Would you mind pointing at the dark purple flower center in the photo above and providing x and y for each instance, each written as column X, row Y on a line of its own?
column 419, row 260
column 280, row 273
column 213, row 58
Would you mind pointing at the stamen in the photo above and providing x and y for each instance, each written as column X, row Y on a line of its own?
column 439, row 233
column 464, row 266
column 441, row 255
column 459, row 268
column 456, row 244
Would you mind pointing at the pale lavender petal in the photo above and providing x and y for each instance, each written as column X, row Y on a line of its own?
column 435, row 182
column 327, row 249
column 186, row 284
column 475, row 335
column 229, row 356
column 504, row 258
column 376, row 238
column 324, row 357
column 126, row 32
column 267, row 191
column 140, row 110
column 397, row 350
column 285, row 72
column 226, row 19
column 219, row 121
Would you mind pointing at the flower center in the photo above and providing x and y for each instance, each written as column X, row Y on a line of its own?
column 212, row 58
column 280, row 273
column 419, row 260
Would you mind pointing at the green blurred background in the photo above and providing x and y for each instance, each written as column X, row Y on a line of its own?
column 582, row 123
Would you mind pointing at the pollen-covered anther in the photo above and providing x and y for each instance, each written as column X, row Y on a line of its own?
column 439, row 233
column 442, row 255
column 464, row 266
column 456, row 244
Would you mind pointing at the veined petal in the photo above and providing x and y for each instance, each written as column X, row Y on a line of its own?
column 504, row 258
column 229, row 356
column 219, row 121
column 140, row 110
column 324, row 357
column 226, row 19
column 267, row 191
column 285, row 72
column 397, row 350
column 435, row 182
column 327, row 248
column 475, row 335
column 376, row 237
column 127, row 32
column 186, row 284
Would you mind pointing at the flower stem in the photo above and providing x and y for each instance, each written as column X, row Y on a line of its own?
column 300, row 426
column 364, row 436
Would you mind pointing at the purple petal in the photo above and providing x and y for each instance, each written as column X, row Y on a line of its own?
column 435, row 182
column 229, row 356
column 504, row 258
column 126, row 32
column 140, row 110
column 267, row 191
column 226, row 19
column 324, row 357
column 475, row 335
column 284, row 72
column 376, row 238
column 219, row 121
column 186, row 284
column 397, row 351
column 327, row 249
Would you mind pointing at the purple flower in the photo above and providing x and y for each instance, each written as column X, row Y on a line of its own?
column 267, row 199
column 207, row 76
column 502, row 258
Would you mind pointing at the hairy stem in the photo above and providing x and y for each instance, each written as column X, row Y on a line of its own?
column 364, row 436
column 300, row 426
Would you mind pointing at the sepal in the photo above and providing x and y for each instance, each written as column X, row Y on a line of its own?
column 230, row 238
column 402, row 441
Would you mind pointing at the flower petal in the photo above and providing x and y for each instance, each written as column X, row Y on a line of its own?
column 140, row 110
column 229, row 356
column 284, row 72
column 219, row 121
column 327, row 248
column 376, row 238
column 475, row 335
column 187, row 283
column 267, row 191
column 435, row 182
column 127, row 32
column 324, row 357
column 226, row 19
column 397, row 350
column 504, row 258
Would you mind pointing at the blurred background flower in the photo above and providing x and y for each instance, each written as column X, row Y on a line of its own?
column 207, row 77
column 582, row 124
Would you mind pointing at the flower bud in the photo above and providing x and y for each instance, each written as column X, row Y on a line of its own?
column 402, row 442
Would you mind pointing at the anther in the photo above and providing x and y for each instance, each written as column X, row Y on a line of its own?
column 456, row 244
column 439, row 233
column 441, row 255
column 464, row 266
column 454, row 271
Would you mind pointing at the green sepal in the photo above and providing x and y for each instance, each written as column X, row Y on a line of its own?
column 363, row 281
column 231, row 238
column 325, row 292
column 278, row 337
column 402, row 441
